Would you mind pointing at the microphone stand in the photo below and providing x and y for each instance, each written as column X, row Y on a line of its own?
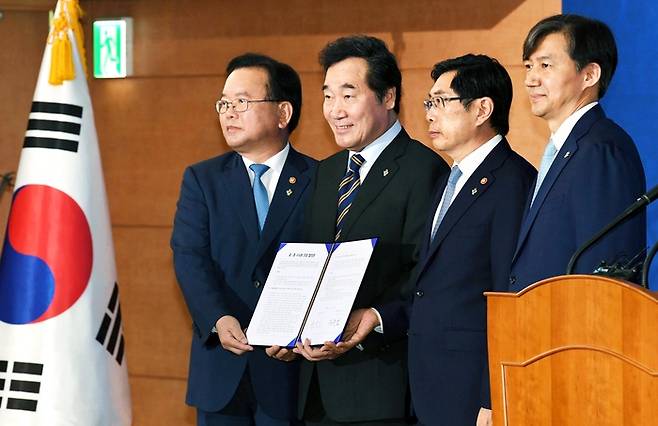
column 642, row 201
column 647, row 265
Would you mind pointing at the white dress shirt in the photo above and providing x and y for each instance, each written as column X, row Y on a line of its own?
column 271, row 177
column 468, row 165
column 562, row 133
column 372, row 151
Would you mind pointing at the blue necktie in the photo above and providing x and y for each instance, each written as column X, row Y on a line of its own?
column 260, row 193
column 455, row 174
column 546, row 161
column 347, row 190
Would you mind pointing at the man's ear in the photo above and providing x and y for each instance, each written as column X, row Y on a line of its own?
column 285, row 114
column 484, row 108
column 591, row 74
column 390, row 97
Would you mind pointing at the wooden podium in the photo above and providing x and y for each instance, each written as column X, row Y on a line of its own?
column 574, row 350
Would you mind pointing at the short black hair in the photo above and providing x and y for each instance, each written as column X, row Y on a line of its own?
column 383, row 71
column 283, row 81
column 588, row 41
column 478, row 76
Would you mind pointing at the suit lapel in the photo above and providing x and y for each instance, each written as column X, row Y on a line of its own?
column 565, row 154
column 480, row 181
column 378, row 177
column 239, row 188
column 291, row 185
column 427, row 230
column 326, row 194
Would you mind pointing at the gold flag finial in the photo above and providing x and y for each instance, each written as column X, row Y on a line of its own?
column 61, row 62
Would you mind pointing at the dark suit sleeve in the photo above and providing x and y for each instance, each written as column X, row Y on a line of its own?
column 198, row 275
column 610, row 182
column 395, row 318
column 395, row 305
column 506, row 224
column 307, row 225
column 504, row 234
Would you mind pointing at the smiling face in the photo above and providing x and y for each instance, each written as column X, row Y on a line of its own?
column 257, row 131
column 352, row 109
column 555, row 86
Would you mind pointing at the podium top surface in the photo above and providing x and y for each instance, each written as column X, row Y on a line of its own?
column 569, row 280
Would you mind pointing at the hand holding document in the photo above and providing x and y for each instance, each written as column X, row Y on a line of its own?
column 309, row 293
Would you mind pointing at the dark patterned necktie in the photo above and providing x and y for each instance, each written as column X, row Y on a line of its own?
column 347, row 190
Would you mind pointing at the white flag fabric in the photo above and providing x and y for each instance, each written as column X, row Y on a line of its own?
column 62, row 350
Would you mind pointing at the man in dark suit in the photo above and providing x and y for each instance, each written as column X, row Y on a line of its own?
column 232, row 213
column 384, row 178
column 468, row 243
column 591, row 170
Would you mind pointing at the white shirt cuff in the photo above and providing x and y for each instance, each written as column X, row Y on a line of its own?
column 380, row 328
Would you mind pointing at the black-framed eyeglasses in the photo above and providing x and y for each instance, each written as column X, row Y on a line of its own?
column 439, row 101
column 239, row 105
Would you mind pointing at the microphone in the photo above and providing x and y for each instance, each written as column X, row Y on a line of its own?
column 622, row 268
column 642, row 201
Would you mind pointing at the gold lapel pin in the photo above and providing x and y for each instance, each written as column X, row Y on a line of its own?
column 292, row 180
column 289, row 192
column 385, row 172
column 474, row 191
column 484, row 181
column 568, row 153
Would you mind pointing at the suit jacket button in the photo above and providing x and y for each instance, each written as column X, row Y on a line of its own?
column 512, row 280
column 419, row 293
column 257, row 284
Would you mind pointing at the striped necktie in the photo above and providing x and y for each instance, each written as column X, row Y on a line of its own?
column 347, row 190
column 448, row 193
column 260, row 193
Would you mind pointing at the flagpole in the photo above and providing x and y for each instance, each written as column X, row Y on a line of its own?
column 62, row 346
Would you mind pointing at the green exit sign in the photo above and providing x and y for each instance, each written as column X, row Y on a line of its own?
column 113, row 48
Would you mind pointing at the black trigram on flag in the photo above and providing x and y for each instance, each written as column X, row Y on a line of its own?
column 115, row 343
column 54, row 126
column 19, row 388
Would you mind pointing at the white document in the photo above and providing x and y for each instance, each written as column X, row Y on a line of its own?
column 309, row 292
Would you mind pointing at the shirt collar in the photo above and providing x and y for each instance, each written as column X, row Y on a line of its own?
column 275, row 162
column 374, row 148
column 472, row 161
column 372, row 151
column 562, row 133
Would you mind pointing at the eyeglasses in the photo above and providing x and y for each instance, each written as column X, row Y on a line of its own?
column 439, row 102
column 239, row 105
